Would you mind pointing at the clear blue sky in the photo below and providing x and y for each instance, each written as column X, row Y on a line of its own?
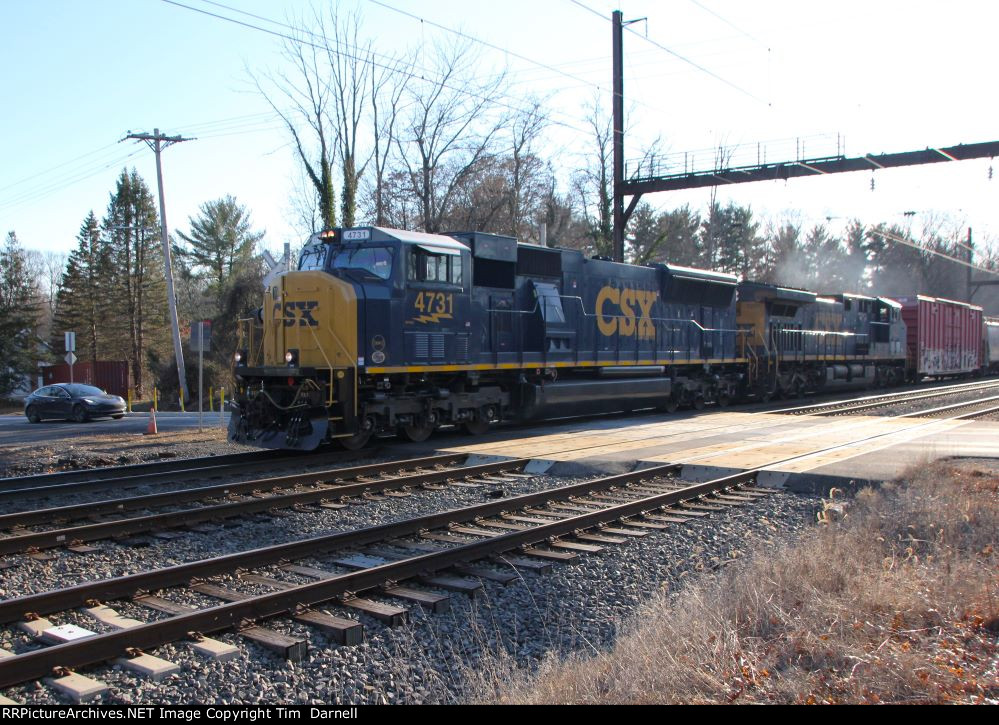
column 887, row 75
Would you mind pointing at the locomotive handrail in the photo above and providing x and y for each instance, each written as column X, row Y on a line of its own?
column 691, row 321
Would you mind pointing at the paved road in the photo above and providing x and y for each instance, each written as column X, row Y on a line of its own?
column 17, row 429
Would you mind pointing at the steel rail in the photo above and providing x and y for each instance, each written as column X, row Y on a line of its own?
column 38, row 663
column 177, row 474
column 43, row 479
column 880, row 401
column 175, row 519
column 132, row 503
column 957, row 406
column 12, row 610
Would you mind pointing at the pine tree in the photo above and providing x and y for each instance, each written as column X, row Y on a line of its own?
column 137, row 286
column 221, row 244
column 20, row 305
column 82, row 301
column 734, row 236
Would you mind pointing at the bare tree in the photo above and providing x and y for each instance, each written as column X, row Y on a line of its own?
column 449, row 128
column 350, row 64
column 304, row 99
column 526, row 168
column 388, row 83
column 592, row 183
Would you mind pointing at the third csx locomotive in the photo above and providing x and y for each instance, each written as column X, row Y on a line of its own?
column 382, row 331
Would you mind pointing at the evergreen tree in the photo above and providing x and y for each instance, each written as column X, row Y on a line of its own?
column 669, row 237
column 81, row 303
column 138, row 288
column 220, row 245
column 855, row 262
column 19, row 313
column 734, row 237
column 783, row 255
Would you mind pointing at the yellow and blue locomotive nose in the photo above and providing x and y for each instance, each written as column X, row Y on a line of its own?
column 295, row 399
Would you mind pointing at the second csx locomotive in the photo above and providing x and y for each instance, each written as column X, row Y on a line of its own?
column 382, row 331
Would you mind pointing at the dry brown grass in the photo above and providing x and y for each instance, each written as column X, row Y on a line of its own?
column 898, row 602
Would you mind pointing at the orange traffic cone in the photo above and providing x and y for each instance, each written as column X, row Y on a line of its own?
column 151, row 428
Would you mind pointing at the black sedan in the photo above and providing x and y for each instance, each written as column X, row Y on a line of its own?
column 73, row 401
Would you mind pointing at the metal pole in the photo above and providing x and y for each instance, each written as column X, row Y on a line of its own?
column 618, row 109
column 971, row 260
column 178, row 350
column 201, row 372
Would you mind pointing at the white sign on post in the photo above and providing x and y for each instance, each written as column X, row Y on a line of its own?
column 70, row 344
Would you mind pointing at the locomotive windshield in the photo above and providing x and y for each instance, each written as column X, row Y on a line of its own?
column 373, row 260
column 313, row 257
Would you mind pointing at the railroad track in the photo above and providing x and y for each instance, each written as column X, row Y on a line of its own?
column 872, row 402
column 165, row 472
column 438, row 550
column 450, row 550
column 972, row 408
column 327, row 489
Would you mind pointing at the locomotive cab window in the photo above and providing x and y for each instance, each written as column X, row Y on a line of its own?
column 376, row 261
column 435, row 266
column 313, row 257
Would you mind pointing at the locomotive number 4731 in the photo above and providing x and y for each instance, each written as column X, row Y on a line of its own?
column 433, row 306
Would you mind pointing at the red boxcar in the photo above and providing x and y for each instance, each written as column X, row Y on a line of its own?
column 944, row 337
column 109, row 375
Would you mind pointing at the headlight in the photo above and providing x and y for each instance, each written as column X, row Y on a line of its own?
column 238, row 357
column 288, row 357
column 89, row 401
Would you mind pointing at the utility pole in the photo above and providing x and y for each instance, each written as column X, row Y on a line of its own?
column 621, row 214
column 969, row 293
column 617, row 29
column 157, row 142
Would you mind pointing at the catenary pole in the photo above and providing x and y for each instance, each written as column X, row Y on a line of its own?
column 618, row 113
column 157, row 142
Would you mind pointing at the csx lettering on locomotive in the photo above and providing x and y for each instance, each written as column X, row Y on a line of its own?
column 301, row 311
column 623, row 319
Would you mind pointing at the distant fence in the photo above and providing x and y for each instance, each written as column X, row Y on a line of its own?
column 109, row 375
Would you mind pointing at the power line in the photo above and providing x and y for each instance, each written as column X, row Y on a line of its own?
column 676, row 55
column 921, row 248
column 41, row 192
column 486, row 43
column 730, row 24
column 393, row 68
column 57, row 167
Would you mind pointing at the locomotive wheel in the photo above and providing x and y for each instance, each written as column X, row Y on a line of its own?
column 724, row 400
column 357, row 441
column 476, row 427
column 670, row 406
column 699, row 402
column 416, row 433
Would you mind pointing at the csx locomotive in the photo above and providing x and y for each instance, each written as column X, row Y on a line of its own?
column 381, row 331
